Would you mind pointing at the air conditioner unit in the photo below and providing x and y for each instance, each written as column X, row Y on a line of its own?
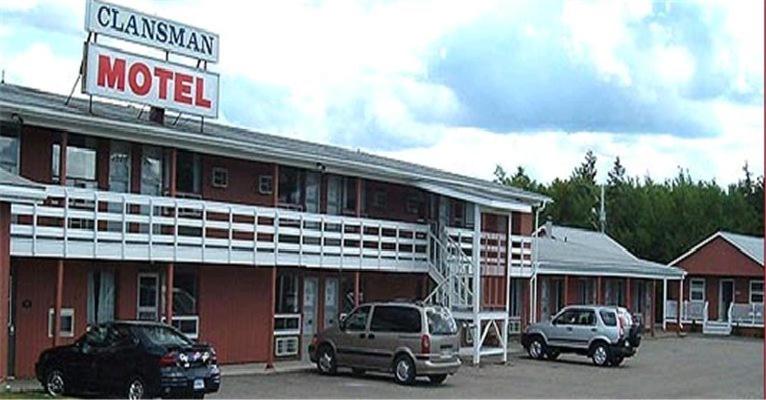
column 286, row 346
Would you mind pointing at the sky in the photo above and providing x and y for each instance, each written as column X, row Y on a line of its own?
column 465, row 85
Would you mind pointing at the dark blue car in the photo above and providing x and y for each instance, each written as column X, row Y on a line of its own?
column 130, row 359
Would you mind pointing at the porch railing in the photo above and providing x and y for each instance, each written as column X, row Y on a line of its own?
column 91, row 224
column 746, row 314
column 693, row 311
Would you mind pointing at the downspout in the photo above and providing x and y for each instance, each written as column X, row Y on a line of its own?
column 533, row 278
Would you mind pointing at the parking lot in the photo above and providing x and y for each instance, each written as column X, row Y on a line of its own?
column 667, row 367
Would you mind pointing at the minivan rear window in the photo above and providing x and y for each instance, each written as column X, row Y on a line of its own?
column 396, row 319
column 608, row 317
column 440, row 322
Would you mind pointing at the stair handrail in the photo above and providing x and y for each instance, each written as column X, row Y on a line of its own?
column 451, row 272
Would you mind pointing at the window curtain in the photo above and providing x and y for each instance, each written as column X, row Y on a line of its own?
column 101, row 294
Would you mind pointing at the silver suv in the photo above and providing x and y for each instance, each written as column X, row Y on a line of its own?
column 407, row 339
column 606, row 334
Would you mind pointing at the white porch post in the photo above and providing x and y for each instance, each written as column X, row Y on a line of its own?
column 664, row 304
column 476, row 258
column 508, row 249
column 680, row 304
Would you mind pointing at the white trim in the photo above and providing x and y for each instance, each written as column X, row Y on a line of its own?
column 543, row 271
column 65, row 313
column 750, row 293
column 219, row 170
column 139, row 308
column 692, row 281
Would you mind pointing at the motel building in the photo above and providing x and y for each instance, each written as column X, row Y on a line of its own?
column 723, row 291
column 253, row 242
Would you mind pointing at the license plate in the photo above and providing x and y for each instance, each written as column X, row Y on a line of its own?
column 199, row 384
column 446, row 353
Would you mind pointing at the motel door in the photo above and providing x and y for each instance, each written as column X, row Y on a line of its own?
column 727, row 297
column 310, row 287
column 330, row 302
column 148, row 296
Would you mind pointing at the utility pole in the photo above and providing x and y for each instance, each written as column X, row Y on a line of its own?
column 602, row 212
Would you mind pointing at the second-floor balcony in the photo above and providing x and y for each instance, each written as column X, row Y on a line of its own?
column 90, row 224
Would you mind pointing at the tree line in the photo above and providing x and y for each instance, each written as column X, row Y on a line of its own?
column 655, row 220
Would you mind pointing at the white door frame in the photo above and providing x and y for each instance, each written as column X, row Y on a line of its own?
column 721, row 311
column 156, row 309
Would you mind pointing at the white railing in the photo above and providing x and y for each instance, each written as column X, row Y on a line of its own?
column 746, row 314
column 671, row 310
column 84, row 223
column 694, row 310
column 494, row 250
column 187, row 324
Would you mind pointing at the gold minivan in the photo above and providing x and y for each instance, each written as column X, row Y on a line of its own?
column 406, row 339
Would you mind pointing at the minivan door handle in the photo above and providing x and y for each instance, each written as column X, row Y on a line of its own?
column 362, row 336
column 569, row 329
column 371, row 336
column 593, row 329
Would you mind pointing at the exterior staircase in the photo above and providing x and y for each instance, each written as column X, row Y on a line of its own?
column 720, row 328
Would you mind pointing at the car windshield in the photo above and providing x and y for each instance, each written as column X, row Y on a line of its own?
column 163, row 336
column 440, row 322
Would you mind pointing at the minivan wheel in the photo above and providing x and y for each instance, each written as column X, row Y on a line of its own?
column 437, row 379
column 54, row 383
column 536, row 349
column 404, row 370
column 136, row 389
column 326, row 362
column 600, row 355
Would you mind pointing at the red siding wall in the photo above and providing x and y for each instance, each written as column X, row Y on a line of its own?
column 243, row 181
column 712, row 291
column 387, row 286
column 396, row 201
column 35, row 154
column 719, row 257
column 234, row 312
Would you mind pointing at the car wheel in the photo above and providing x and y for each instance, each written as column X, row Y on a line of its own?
column 326, row 363
column 536, row 348
column 55, row 385
column 616, row 361
column 404, row 370
column 552, row 354
column 135, row 389
column 600, row 354
column 437, row 379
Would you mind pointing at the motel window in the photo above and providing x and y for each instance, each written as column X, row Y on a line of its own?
column 415, row 204
column 152, row 171
column 341, row 195
column 80, row 162
column 697, row 290
column 188, row 173
column 265, row 184
column 9, row 146
column 184, row 293
column 101, row 296
column 587, row 293
column 119, row 166
column 299, row 189
column 66, row 322
column 220, row 177
column 756, row 292
column 461, row 214
column 287, row 294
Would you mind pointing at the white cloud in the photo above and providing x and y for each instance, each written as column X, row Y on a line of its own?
column 547, row 155
column 38, row 66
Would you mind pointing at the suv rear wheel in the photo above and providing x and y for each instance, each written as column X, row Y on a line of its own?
column 404, row 370
column 600, row 354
